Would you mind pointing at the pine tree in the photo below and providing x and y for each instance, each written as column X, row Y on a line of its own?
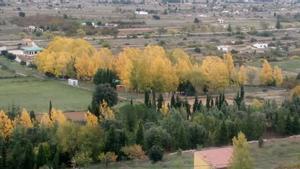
column 29, row 158
column 288, row 125
column 50, row 109
column 41, row 157
column 140, row 135
column 241, row 158
column 223, row 134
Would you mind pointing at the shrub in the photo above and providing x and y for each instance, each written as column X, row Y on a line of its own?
column 22, row 14
column 134, row 152
column 82, row 159
column 155, row 153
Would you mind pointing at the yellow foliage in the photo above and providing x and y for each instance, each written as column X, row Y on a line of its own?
column 125, row 64
column 63, row 55
column 257, row 104
column 295, row 92
column 183, row 65
column 46, row 121
column 106, row 112
column 242, row 75
column 24, row 119
column 216, row 72
column 277, row 75
column 228, row 60
column 91, row 120
column 266, row 74
column 165, row 109
column 134, row 152
column 57, row 116
column 6, row 125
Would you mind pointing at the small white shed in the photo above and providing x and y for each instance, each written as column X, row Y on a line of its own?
column 73, row 82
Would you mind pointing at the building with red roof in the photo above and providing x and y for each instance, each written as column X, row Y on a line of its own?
column 214, row 158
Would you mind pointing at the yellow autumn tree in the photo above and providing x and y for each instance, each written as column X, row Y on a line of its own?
column 216, row 72
column 106, row 112
column 266, row 74
column 24, row 119
column 228, row 60
column 6, row 125
column 125, row 65
column 277, row 75
column 154, row 71
column 242, row 76
column 57, row 116
column 182, row 63
column 67, row 56
column 91, row 120
column 295, row 92
column 197, row 78
column 165, row 109
column 45, row 121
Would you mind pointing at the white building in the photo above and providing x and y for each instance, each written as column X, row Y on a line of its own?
column 223, row 48
column 141, row 12
column 260, row 45
column 72, row 82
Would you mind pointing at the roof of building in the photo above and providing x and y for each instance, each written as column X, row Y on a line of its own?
column 32, row 48
column 217, row 157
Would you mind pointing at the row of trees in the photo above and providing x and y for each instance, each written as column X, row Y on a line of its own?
column 151, row 69
column 134, row 131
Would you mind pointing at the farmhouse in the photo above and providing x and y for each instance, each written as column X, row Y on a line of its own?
column 216, row 158
column 260, row 45
column 223, row 48
column 141, row 12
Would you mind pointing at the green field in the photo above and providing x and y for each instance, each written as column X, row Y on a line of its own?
column 35, row 94
column 290, row 65
column 275, row 153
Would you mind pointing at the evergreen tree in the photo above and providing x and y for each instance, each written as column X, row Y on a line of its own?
column 229, row 28
column 223, row 134
column 50, row 108
column 29, row 157
column 239, row 99
column 147, row 98
column 296, row 125
column 288, row 125
column 140, row 135
column 241, row 154
column 278, row 24
column 160, row 101
column 188, row 109
column 55, row 161
column 173, row 102
column 195, row 105
column 41, row 157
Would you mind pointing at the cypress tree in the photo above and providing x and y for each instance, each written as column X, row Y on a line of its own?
column 147, row 98
column 195, row 105
column 41, row 157
column 160, row 101
column 288, row 125
column 140, row 135
column 173, row 100
column 296, row 125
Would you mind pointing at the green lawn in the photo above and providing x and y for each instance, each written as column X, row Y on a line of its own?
column 290, row 65
column 274, row 153
column 35, row 94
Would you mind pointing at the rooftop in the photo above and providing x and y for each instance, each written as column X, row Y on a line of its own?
column 217, row 157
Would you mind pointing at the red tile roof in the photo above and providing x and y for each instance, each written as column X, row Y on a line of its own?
column 218, row 157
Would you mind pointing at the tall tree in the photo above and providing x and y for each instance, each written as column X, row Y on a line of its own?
column 241, row 157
